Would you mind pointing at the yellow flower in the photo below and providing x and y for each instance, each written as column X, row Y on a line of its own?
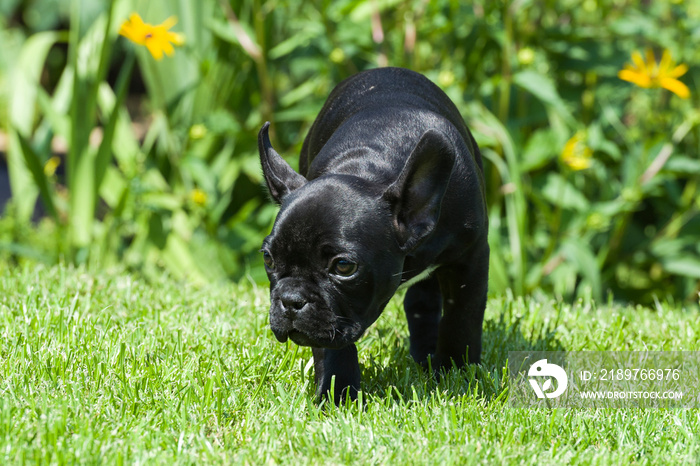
column 337, row 55
column 446, row 78
column 575, row 153
column 648, row 74
column 198, row 196
column 198, row 131
column 156, row 38
column 51, row 165
column 526, row 56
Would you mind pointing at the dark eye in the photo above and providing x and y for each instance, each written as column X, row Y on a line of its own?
column 343, row 267
column 267, row 259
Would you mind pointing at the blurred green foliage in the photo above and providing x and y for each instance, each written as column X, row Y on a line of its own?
column 592, row 182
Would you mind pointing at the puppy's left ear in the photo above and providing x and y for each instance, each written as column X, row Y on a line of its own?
column 280, row 177
column 416, row 195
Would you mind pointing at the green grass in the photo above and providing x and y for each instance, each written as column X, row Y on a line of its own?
column 107, row 368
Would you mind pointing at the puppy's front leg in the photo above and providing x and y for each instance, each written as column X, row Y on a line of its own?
column 341, row 363
column 423, row 306
column 463, row 287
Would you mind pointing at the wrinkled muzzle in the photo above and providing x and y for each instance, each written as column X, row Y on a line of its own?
column 308, row 319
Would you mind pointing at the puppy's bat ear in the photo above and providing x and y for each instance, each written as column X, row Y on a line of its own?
column 416, row 195
column 281, row 179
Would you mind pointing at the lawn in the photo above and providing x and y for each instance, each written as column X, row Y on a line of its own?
column 108, row 368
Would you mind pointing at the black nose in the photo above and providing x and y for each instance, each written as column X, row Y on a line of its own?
column 292, row 303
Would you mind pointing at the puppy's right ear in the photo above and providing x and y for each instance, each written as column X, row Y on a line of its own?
column 416, row 195
column 281, row 179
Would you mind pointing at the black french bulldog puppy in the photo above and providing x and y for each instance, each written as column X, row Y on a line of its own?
column 390, row 193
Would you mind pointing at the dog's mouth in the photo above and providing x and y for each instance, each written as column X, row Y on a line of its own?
column 282, row 337
column 301, row 339
column 296, row 336
column 318, row 334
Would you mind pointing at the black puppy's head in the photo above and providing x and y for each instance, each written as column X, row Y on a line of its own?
column 336, row 252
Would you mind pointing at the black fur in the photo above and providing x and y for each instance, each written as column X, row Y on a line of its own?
column 390, row 183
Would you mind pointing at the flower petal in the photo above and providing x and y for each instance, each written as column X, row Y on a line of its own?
column 651, row 67
column 158, row 39
column 576, row 154
column 578, row 163
column 127, row 30
column 136, row 21
column 678, row 71
column 675, row 86
column 155, row 49
column 134, row 29
column 666, row 62
column 175, row 38
column 638, row 61
column 167, row 48
column 168, row 23
column 640, row 79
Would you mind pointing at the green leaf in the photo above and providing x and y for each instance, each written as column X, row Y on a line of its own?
column 301, row 92
column 687, row 266
column 225, row 32
column 104, row 153
column 486, row 123
column 544, row 89
column 599, row 143
column 673, row 247
column 199, row 171
column 22, row 104
column 560, row 192
column 88, row 57
column 25, row 80
column 82, row 199
column 363, row 10
column 539, row 150
column 33, row 163
column 112, row 189
column 300, row 40
column 57, row 120
column 579, row 252
column 24, row 190
column 683, row 165
column 179, row 260
column 162, row 201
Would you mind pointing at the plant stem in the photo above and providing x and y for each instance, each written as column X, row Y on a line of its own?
column 506, row 72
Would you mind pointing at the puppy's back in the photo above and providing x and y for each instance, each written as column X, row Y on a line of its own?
column 381, row 91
